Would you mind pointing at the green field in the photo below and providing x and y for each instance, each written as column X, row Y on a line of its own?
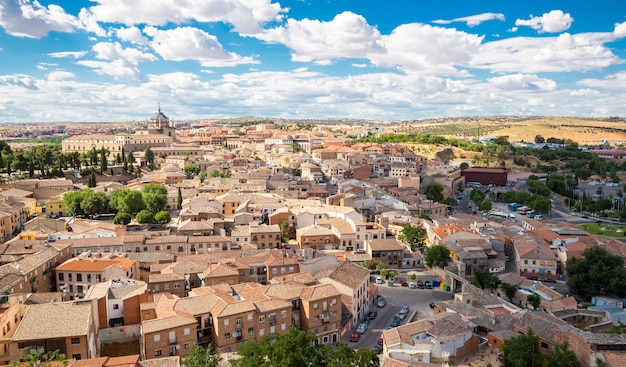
column 603, row 229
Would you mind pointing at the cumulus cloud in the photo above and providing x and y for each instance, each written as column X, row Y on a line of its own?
column 472, row 20
column 553, row 22
column 68, row 54
column 189, row 43
column 424, row 48
column 60, row 75
column 121, row 63
column 346, row 36
column 25, row 18
column 620, row 30
column 22, row 81
column 246, row 16
column 584, row 92
column 131, row 34
column 522, row 82
column 564, row 53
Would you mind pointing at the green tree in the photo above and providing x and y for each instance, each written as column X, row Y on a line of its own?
column 162, row 217
column 384, row 272
column 284, row 231
column 485, row 205
column 540, row 204
column 179, row 199
column 91, row 179
column 561, row 356
column 596, row 273
column 510, row 290
column 122, row 218
column 152, row 188
column 155, row 202
column 485, row 280
column 434, row 192
column 215, row 173
column 94, row 202
column 149, row 155
column 202, row 357
column 522, row 351
column 103, row 160
column 31, row 357
column 144, row 217
column 72, row 200
column 132, row 202
column 124, row 160
column 202, row 177
column 534, row 300
column 437, row 255
column 191, row 169
column 477, row 196
column 415, row 236
column 130, row 159
column 464, row 165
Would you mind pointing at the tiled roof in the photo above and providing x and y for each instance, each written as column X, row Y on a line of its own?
column 318, row 292
column 166, row 323
column 54, row 320
column 345, row 273
column 387, row 244
column 95, row 265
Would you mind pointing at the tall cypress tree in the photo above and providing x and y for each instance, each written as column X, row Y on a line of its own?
column 179, row 199
column 103, row 160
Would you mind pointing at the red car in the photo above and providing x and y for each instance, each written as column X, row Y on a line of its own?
column 380, row 341
column 355, row 337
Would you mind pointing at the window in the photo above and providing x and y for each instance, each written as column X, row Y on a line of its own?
column 176, row 286
column 261, row 332
column 75, row 341
column 226, row 322
column 116, row 306
column 525, row 262
column 157, row 248
column 283, row 326
column 544, row 345
column 157, row 338
column 187, row 345
column 157, row 353
column 283, row 314
column 250, row 330
column 187, row 331
column 61, row 277
column 315, row 306
column 69, row 277
column 262, row 318
column 291, row 269
column 249, row 317
column 226, row 336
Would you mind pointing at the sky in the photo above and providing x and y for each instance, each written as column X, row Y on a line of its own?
column 393, row 60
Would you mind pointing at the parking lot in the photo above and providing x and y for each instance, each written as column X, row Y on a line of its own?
column 418, row 301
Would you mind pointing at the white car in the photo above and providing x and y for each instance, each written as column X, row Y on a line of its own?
column 412, row 285
column 362, row 328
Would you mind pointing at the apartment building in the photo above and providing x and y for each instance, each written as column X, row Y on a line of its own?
column 321, row 312
column 118, row 301
column 315, row 237
column 76, row 275
column 12, row 310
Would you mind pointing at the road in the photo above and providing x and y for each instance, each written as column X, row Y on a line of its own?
column 418, row 301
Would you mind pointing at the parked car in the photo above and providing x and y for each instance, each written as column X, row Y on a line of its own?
column 420, row 284
column 432, row 305
column 412, row 285
column 404, row 283
column 395, row 322
column 548, row 280
column 399, row 316
column 404, row 310
column 379, row 280
column 372, row 315
column 380, row 341
column 355, row 337
column 362, row 327
column 382, row 302
column 427, row 284
column 377, row 348
column 532, row 277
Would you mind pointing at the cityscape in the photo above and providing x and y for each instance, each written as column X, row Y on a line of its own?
column 138, row 243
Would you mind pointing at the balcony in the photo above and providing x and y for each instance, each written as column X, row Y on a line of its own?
column 238, row 326
column 272, row 321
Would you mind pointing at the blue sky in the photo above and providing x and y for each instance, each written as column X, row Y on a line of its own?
column 116, row 60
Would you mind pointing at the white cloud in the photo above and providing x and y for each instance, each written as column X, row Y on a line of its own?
column 611, row 82
column 620, row 30
column 188, row 43
column 346, row 36
column 22, row 81
column 132, row 35
column 564, row 53
column 522, row 82
column 427, row 49
column 68, row 54
column 361, row 66
column 246, row 16
column 59, row 76
column 584, row 92
column 26, row 18
column 553, row 22
column 89, row 23
column 472, row 20
column 122, row 63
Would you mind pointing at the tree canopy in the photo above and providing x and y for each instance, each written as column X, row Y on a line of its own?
column 598, row 272
column 298, row 348
column 415, row 236
column 523, row 351
column 485, row 280
column 434, row 192
column 437, row 255
column 202, row 357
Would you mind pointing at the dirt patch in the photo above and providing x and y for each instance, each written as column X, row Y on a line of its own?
column 119, row 349
column 485, row 357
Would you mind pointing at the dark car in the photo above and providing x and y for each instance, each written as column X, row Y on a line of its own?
column 420, row 284
column 404, row 283
column 548, row 280
column 395, row 322
column 372, row 315
column 432, row 305
column 427, row 284
column 377, row 348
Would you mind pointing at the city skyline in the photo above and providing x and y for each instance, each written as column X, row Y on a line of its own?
column 109, row 60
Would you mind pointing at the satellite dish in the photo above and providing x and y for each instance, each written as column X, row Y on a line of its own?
column 177, row 346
